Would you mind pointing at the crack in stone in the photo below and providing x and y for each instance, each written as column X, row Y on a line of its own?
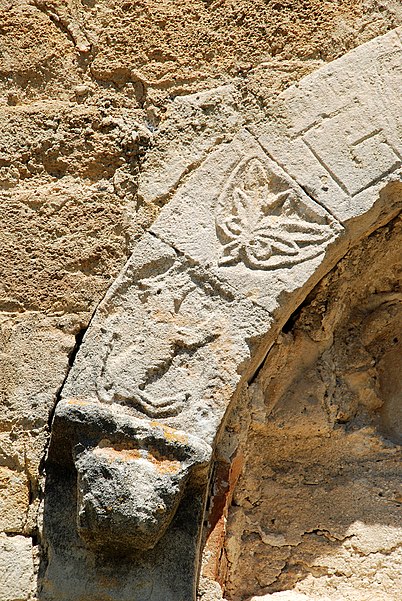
column 71, row 358
column 164, row 199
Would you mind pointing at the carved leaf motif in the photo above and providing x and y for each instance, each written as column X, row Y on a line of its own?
column 262, row 223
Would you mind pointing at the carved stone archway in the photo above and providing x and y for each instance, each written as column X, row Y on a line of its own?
column 244, row 239
column 308, row 506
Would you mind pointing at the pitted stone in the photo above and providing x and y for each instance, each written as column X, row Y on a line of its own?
column 251, row 227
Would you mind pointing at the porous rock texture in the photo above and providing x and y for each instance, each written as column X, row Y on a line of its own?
column 317, row 509
column 91, row 91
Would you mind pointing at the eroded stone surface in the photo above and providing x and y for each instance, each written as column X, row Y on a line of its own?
column 317, row 508
column 115, row 484
column 167, row 342
column 89, row 47
column 34, row 362
column 165, row 347
column 131, row 473
column 16, row 568
column 359, row 111
column 184, row 326
column 79, row 111
column 242, row 218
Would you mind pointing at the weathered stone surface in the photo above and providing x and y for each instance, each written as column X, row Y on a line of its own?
column 317, row 508
column 67, row 186
column 193, row 126
column 78, row 113
column 126, row 490
column 165, row 347
column 33, row 364
column 242, row 218
column 16, row 568
column 359, row 110
column 131, row 473
column 167, row 342
column 91, row 49
column 14, row 497
column 284, row 596
column 178, row 335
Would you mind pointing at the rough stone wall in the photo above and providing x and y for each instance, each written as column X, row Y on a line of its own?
column 144, row 52
column 85, row 89
column 317, row 507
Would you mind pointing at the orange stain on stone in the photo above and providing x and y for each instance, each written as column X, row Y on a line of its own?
column 118, row 453
column 78, row 402
column 170, row 434
column 226, row 477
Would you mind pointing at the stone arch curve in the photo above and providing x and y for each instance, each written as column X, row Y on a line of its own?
column 243, row 240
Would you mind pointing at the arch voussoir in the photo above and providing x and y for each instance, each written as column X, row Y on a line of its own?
column 243, row 240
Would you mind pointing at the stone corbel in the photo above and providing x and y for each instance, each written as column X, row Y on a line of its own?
column 131, row 473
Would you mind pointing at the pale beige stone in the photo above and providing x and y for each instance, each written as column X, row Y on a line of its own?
column 16, row 568
column 14, row 500
column 285, row 596
column 339, row 134
column 180, row 332
column 318, row 505
column 79, row 111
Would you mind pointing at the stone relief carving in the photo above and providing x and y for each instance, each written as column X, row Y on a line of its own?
column 339, row 135
column 131, row 428
column 134, row 393
column 244, row 220
column 169, row 346
column 261, row 223
column 327, row 405
column 157, row 383
column 361, row 166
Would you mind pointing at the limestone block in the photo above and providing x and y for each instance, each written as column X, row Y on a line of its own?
column 34, row 361
column 131, row 472
column 129, row 490
column 167, row 342
column 126, row 496
column 241, row 217
column 193, row 126
column 338, row 132
column 14, row 499
column 16, row 568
